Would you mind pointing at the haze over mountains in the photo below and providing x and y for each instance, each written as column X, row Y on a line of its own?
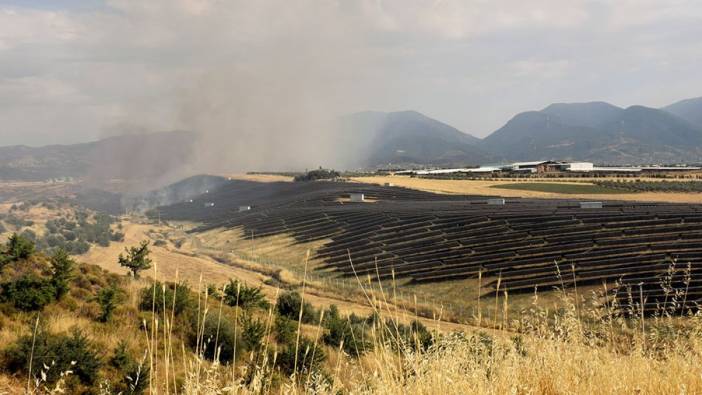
column 595, row 131
column 143, row 156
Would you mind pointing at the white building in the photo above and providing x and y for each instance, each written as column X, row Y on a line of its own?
column 357, row 197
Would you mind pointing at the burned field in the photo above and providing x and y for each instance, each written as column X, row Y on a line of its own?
column 650, row 250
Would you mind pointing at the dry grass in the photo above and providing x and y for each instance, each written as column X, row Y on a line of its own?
column 259, row 177
column 485, row 187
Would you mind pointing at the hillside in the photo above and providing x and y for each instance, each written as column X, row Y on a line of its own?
column 689, row 110
column 149, row 156
column 406, row 138
column 598, row 132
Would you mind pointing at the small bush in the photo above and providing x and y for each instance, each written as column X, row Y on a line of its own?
column 121, row 359
column 108, row 299
column 415, row 335
column 17, row 248
column 284, row 329
column 340, row 329
column 309, row 357
column 217, row 339
column 289, row 304
column 29, row 293
column 61, row 272
column 252, row 332
column 239, row 294
column 61, row 353
column 181, row 292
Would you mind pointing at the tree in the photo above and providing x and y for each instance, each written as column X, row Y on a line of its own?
column 17, row 247
column 107, row 299
column 61, row 272
column 239, row 294
column 28, row 293
column 137, row 258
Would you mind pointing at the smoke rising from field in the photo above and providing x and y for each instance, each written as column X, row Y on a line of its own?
column 267, row 82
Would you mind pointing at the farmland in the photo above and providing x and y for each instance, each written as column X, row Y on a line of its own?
column 561, row 188
column 486, row 187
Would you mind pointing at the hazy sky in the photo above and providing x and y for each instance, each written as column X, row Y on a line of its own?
column 76, row 70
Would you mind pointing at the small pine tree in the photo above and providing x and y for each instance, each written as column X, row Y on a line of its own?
column 121, row 359
column 61, row 272
column 239, row 294
column 137, row 258
column 18, row 247
column 108, row 298
column 253, row 331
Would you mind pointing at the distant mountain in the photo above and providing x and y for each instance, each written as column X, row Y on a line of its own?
column 373, row 139
column 598, row 132
column 591, row 114
column 142, row 156
column 689, row 110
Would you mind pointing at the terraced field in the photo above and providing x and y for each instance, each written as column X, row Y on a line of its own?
column 424, row 237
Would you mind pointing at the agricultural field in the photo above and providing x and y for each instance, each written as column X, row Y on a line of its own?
column 487, row 188
column 561, row 188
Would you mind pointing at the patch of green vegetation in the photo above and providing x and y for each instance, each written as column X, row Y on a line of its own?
column 318, row 174
column 76, row 236
column 552, row 187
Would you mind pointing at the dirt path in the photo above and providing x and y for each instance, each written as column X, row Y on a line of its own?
column 480, row 187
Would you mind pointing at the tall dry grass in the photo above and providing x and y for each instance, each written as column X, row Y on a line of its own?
column 583, row 346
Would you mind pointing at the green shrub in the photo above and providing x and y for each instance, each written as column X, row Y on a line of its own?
column 289, row 304
column 108, row 299
column 217, row 339
column 309, row 357
column 415, row 335
column 239, row 294
column 29, row 293
column 340, row 329
column 61, row 353
column 121, row 359
column 17, row 247
column 181, row 292
column 134, row 375
column 284, row 329
column 252, row 332
column 61, row 272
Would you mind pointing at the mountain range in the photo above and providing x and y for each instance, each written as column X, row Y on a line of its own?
column 603, row 133
column 596, row 131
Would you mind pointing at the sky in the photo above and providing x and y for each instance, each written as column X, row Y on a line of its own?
column 74, row 71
